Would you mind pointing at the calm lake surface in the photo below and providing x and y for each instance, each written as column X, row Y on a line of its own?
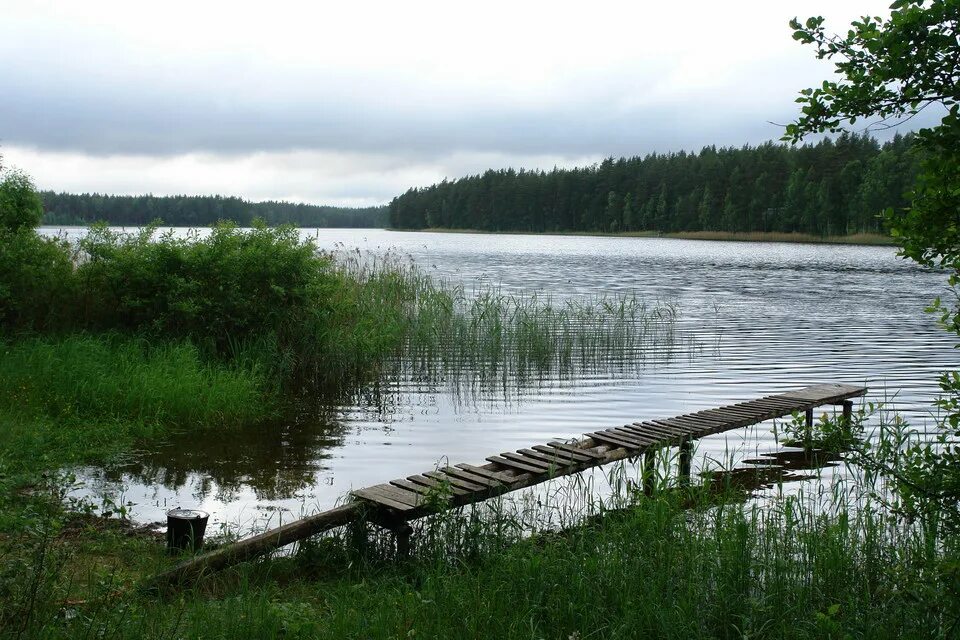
column 756, row 319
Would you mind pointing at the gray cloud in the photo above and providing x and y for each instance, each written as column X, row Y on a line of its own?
column 369, row 98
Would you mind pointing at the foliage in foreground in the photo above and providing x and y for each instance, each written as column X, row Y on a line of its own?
column 892, row 69
column 653, row 570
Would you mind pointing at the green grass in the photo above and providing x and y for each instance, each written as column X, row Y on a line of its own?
column 654, row 569
column 115, row 377
column 84, row 399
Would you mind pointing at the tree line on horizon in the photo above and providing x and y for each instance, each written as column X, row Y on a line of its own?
column 191, row 211
column 833, row 187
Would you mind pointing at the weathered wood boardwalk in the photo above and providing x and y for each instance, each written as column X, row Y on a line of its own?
column 412, row 497
column 394, row 503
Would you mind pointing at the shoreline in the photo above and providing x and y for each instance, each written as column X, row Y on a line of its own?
column 860, row 239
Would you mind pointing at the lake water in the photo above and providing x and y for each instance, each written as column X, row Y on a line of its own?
column 756, row 319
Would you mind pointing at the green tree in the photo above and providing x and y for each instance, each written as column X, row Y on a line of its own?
column 20, row 204
column 891, row 69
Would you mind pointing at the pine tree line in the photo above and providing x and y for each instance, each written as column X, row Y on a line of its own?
column 832, row 187
column 192, row 211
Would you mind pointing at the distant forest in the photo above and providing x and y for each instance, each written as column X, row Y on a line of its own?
column 836, row 186
column 190, row 211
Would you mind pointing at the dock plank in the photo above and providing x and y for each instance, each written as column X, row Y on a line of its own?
column 513, row 464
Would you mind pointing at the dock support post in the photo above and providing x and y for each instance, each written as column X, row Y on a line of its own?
column 809, row 424
column 401, row 534
column 649, row 471
column 686, row 453
column 847, row 413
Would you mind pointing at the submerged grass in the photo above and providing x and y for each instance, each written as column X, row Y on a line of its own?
column 441, row 331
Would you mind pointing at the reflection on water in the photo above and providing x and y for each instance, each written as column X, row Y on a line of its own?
column 771, row 469
column 755, row 319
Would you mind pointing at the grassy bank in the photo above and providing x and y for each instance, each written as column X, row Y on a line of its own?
column 765, row 236
column 710, row 568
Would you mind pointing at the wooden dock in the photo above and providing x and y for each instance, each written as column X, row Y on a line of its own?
column 393, row 504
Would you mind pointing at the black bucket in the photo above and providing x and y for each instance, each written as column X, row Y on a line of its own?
column 185, row 529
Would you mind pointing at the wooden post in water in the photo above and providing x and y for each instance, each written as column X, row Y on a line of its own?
column 686, row 453
column 847, row 413
column 809, row 416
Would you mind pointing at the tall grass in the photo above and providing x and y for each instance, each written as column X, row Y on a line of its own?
column 116, row 377
column 652, row 568
column 442, row 331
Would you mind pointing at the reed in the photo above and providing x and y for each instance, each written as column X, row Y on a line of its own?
column 414, row 326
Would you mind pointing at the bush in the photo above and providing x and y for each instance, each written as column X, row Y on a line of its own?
column 36, row 281
column 229, row 287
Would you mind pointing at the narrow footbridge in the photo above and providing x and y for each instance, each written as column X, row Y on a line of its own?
column 393, row 504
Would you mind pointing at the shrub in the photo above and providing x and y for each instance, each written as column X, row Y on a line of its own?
column 228, row 287
column 36, row 281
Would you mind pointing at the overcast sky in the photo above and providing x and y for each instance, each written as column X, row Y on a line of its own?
column 353, row 102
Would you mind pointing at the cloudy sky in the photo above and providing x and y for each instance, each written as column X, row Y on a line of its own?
column 353, row 102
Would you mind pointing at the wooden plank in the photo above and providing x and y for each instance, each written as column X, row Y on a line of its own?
column 552, row 454
column 377, row 495
column 457, row 482
column 698, row 422
column 553, row 458
column 669, row 425
column 499, row 476
column 398, row 494
column 521, row 466
column 516, row 457
column 667, row 435
column 694, row 429
column 613, row 439
column 730, row 420
column 780, row 403
column 438, row 486
column 411, row 486
column 743, row 410
column 826, row 393
column 717, row 414
column 566, row 447
column 576, row 456
column 374, row 494
column 648, row 437
column 741, row 414
column 639, row 441
column 453, row 472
